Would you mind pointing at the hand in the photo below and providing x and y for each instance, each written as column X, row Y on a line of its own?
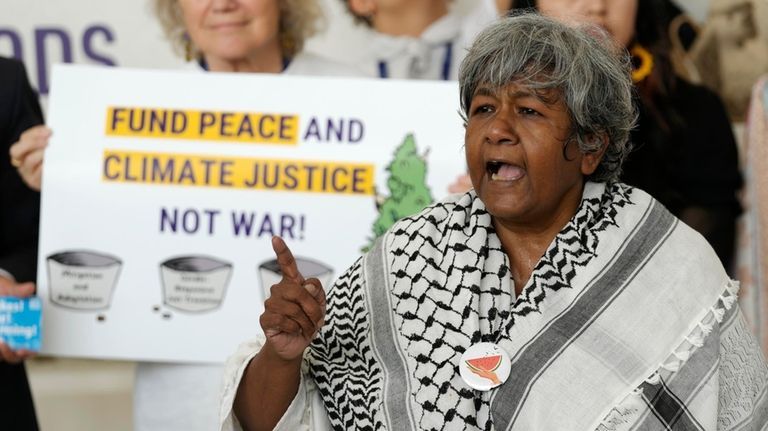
column 9, row 287
column 462, row 184
column 295, row 311
column 27, row 155
column 13, row 356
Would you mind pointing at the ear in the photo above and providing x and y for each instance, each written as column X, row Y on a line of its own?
column 363, row 8
column 590, row 161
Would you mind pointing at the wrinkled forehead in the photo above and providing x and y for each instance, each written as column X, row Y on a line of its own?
column 535, row 68
column 541, row 87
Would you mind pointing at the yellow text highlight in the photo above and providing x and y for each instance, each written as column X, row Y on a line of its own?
column 282, row 129
column 239, row 173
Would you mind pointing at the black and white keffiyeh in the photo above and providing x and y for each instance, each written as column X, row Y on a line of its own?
column 450, row 288
column 627, row 321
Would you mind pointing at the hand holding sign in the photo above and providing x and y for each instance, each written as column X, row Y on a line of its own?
column 27, row 155
column 295, row 311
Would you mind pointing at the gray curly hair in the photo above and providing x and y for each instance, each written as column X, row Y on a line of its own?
column 590, row 73
column 299, row 20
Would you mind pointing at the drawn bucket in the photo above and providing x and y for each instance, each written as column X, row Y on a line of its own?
column 194, row 283
column 82, row 280
column 270, row 274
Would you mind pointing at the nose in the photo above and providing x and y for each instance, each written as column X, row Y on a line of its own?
column 595, row 8
column 501, row 130
column 224, row 5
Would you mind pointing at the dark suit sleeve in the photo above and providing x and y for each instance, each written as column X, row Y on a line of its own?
column 19, row 205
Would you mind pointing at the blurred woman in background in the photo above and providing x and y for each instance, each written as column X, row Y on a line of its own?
column 256, row 36
column 245, row 35
column 684, row 151
column 416, row 39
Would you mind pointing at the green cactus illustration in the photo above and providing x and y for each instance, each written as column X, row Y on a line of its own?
column 407, row 184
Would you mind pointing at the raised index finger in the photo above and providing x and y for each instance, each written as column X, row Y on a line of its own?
column 286, row 260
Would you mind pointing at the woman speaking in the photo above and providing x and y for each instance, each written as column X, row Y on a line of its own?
column 549, row 297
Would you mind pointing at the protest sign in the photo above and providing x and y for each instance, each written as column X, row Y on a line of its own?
column 162, row 191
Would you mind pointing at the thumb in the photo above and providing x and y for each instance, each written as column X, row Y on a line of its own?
column 315, row 288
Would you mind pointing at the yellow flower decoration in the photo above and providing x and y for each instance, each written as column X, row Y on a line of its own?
column 645, row 65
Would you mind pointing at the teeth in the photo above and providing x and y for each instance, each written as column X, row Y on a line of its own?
column 506, row 172
column 494, row 167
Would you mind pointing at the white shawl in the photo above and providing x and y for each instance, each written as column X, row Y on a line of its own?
column 627, row 322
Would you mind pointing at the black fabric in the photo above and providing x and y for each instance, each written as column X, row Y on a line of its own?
column 16, row 408
column 19, row 205
column 690, row 164
column 19, row 215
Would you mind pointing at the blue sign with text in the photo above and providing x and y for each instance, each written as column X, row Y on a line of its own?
column 20, row 320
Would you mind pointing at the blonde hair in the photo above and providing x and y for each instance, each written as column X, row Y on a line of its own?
column 299, row 19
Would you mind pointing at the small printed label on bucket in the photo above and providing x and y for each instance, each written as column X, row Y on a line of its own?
column 20, row 320
column 195, row 283
column 82, row 279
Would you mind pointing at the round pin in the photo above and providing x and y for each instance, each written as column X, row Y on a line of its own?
column 484, row 366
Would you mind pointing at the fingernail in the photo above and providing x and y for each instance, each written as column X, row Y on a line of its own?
column 311, row 288
column 320, row 323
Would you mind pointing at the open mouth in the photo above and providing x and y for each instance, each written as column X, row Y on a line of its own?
column 500, row 171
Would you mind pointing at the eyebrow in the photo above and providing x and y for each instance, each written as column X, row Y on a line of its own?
column 519, row 94
column 487, row 91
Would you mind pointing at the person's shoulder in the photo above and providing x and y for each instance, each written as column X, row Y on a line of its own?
column 16, row 98
column 10, row 63
column 481, row 14
column 695, row 94
column 11, row 69
column 311, row 64
column 192, row 66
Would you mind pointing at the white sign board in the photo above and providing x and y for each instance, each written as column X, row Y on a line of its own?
column 161, row 192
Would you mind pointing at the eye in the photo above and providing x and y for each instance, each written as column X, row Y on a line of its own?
column 482, row 109
column 528, row 111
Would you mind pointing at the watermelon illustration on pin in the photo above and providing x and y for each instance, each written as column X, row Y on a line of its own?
column 484, row 366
